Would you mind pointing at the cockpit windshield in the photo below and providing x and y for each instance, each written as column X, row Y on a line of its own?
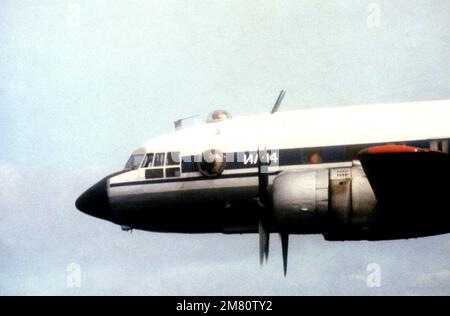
column 134, row 162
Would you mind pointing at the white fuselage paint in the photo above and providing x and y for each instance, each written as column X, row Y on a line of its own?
column 322, row 127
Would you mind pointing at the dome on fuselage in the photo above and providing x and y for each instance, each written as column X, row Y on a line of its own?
column 217, row 116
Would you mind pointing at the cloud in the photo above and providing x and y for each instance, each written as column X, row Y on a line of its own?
column 433, row 279
column 358, row 277
column 11, row 180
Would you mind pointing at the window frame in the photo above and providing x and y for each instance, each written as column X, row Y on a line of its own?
column 143, row 161
column 153, row 170
column 173, row 162
column 134, row 166
column 163, row 160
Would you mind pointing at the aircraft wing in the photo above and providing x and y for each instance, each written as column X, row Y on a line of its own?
column 408, row 178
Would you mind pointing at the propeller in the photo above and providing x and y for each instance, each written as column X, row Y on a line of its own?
column 265, row 215
column 276, row 106
column 263, row 192
column 265, row 218
column 284, row 246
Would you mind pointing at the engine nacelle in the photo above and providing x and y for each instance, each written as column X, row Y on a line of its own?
column 320, row 200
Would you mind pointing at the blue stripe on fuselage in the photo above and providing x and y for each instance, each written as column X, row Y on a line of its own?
column 296, row 156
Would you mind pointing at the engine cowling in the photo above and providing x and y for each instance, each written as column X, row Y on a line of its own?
column 337, row 200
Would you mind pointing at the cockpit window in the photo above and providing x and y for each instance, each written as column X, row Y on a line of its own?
column 134, row 161
column 173, row 158
column 159, row 160
column 148, row 161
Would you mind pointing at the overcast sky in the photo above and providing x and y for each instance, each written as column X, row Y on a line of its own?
column 83, row 83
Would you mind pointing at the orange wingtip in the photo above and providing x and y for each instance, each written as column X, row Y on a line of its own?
column 390, row 149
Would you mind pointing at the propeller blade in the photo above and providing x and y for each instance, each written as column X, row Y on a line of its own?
column 263, row 188
column 278, row 102
column 284, row 246
column 264, row 237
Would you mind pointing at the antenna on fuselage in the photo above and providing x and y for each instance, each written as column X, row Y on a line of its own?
column 179, row 123
column 278, row 102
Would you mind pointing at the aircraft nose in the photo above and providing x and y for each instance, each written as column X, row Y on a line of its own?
column 94, row 201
